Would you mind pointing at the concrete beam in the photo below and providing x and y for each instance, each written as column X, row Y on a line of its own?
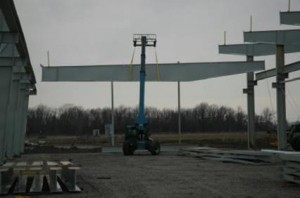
column 272, row 72
column 9, row 37
column 167, row 72
column 280, row 37
column 290, row 18
column 255, row 49
column 248, row 49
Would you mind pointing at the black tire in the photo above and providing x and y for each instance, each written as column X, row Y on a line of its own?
column 127, row 148
column 295, row 143
column 154, row 147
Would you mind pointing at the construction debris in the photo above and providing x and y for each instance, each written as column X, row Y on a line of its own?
column 38, row 177
column 233, row 156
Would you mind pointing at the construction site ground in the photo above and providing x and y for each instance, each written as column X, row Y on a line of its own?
column 110, row 174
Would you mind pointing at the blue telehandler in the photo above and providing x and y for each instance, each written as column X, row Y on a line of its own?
column 137, row 136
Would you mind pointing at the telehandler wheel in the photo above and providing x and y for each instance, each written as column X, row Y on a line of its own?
column 127, row 148
column 154, row 147
column 295, row 143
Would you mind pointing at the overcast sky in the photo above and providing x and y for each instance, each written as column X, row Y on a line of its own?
column 98, row 32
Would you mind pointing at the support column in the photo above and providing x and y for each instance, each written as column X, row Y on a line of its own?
column 250, row 107
column 24, row 109
column 5, row 80
column 11, row 125
column 112, row 115
column 18, row 121
column 280, row 96
column 179, row 113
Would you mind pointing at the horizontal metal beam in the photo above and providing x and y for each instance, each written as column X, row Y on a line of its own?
column 9, row 37
column 13, row 62
column 255, row 49
column 290, row 18
column 280, row 37
column 163, row 72
column 272, row 72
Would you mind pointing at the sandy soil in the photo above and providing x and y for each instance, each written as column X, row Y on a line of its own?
column 169, row 175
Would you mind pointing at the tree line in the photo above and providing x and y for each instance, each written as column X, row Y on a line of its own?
column 75, row 120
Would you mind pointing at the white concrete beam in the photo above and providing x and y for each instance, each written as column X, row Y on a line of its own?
column 167, row 72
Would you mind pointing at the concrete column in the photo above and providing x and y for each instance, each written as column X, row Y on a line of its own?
column 280, row 96
column 11, row 113
column 19, row 120
column 112, row 115
column 250, row 107
column 179, row 113
column 23, row 125
column 5, row 80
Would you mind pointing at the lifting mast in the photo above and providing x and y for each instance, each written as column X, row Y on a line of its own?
column 143, row 41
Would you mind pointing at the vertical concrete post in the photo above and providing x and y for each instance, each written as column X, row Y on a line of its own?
column 251, row 107
column 179, row 113
column 280, row 95
column 5, row 80
column 11, row 126
column 112, row 115
column 24, row 123
column 19, row 139
column 18, row 122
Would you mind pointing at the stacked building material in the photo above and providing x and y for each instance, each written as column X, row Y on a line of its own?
column 38, row 177
column 291, row 167
column 234, row 156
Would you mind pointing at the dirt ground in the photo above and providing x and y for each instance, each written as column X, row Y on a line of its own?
column 169, row 175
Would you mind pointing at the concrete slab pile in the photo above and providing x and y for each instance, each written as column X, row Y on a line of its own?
column 291, row 167
column 234, row 156
column 17, row 82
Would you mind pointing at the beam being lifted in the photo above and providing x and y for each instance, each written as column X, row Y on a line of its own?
column 290, row 18
column 169, row 72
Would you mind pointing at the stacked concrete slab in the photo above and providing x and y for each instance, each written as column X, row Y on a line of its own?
column 17, row 82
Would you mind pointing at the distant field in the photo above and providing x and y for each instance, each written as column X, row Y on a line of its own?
column 221, row 139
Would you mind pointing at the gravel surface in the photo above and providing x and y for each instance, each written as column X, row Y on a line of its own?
column 169, row 175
